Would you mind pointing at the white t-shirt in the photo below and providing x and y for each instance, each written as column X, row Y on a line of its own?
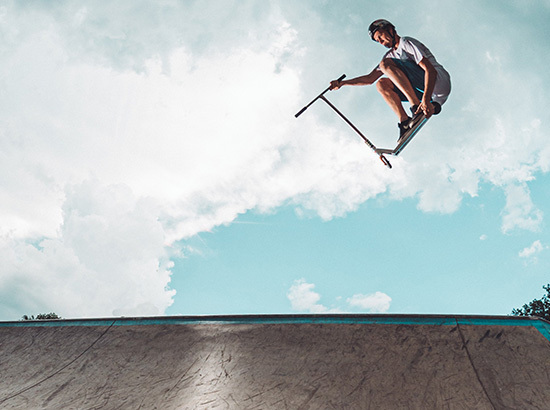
column 411, row 49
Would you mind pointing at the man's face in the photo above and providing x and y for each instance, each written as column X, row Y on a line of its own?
column 384, row 38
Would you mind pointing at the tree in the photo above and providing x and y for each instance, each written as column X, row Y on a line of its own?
column 540, row 308
column 42, row 316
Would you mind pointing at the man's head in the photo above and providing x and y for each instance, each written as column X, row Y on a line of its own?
column 383, row 32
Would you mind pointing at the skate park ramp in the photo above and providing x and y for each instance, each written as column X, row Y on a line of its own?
column 277, row 362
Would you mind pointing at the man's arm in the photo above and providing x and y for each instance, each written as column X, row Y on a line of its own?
column 366, row 79
column 429, row 84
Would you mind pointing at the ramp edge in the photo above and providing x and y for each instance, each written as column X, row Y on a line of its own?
column 435, row 320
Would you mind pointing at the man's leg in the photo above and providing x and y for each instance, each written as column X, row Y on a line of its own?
column 392, row 96
column 400, row 80
column 386, row 87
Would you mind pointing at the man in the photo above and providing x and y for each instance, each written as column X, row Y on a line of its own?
column 412, row 74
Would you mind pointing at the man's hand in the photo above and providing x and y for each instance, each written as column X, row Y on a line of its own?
column 426, row 107
column 335, row 84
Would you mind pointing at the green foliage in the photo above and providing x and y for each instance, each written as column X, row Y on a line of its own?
column 42, row 316
column 536, row 307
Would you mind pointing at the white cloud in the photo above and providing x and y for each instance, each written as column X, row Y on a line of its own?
column 168, row 153
column 108, row 259
column 520, row 212
column 377, row 302
column 532, row 250
column 303, row 298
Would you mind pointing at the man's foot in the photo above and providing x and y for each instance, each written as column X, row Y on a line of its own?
column 404, row 126
column 415, row 117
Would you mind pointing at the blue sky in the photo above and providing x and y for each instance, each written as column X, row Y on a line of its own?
column 426, row 263
column 151, row 162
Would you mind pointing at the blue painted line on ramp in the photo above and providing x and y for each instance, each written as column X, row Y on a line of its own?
column 383, row 319
column 543, row 327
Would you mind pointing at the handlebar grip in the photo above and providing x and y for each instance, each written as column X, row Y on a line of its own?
column 300, row 112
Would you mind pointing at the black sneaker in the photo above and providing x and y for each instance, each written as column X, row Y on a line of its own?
column 404, row 126
column 415, row 117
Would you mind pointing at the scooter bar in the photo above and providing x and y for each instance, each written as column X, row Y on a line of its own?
column 316, row 98
column 321, row 96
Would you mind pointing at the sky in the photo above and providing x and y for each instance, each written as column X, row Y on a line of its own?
column 151, row 164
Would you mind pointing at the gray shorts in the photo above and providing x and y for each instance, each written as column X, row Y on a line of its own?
column 414, row 73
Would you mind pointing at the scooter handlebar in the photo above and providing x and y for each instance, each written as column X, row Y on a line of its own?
column 316, row 98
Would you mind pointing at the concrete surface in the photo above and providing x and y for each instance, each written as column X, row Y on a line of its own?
column 277, row 362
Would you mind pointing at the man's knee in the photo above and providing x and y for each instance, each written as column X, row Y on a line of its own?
column 386, row 64
column 384, row 85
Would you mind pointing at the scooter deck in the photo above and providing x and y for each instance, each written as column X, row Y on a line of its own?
column 409, row 135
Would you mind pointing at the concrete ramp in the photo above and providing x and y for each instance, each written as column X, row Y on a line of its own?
column 277, row 362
